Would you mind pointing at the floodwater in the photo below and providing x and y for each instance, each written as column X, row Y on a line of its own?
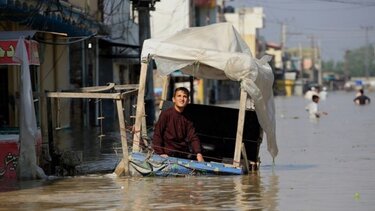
column 327, row 165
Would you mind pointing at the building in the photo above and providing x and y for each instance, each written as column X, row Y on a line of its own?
column 77, row 44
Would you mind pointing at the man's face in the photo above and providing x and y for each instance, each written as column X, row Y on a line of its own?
column 181, row 99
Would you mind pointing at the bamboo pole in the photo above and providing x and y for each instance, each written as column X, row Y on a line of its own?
column 114, row 96
column 240, row 125
column 140, row 110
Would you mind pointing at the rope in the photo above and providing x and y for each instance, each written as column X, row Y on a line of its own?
column 174, row 150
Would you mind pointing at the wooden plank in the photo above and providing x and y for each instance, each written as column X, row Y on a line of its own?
column 164, row 93
column 123, row 166
column 84, row 95
column 97, row 88
column 126, row 86
column 240, row 125
column 120, row 168
column 131, row 92
column 140, row 107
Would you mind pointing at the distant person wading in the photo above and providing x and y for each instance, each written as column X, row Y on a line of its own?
column 313, row 108
column 362, row 99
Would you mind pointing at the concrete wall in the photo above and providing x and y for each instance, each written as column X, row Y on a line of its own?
column 247, row 21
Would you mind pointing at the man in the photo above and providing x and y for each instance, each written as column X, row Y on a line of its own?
column 310, row 93
column 174, row 132
column 313, row 110
column 362, row 99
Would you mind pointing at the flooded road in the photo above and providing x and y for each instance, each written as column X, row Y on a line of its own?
column 328, row 165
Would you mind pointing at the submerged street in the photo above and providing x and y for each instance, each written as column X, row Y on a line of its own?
column 328, row 165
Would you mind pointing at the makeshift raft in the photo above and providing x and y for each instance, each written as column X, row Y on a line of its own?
column 230, row 138
column 155, row 165
column 198, row 52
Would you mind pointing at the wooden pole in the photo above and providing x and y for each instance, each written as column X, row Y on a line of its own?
column 123, row 166
column 51, row 145
column 140, row 110
column 164, row 93
column 240, row 125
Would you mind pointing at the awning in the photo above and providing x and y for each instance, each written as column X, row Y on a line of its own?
column 11, row 35
column 108, row 41
column 119, row 49
column 60, row 16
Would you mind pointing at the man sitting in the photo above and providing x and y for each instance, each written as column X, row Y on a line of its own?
column 174, row 132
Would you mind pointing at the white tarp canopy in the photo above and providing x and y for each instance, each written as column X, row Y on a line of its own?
column 217, row 51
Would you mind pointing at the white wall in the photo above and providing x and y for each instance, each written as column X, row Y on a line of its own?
column 169, row 17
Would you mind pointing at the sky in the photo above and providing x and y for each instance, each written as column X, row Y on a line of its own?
column 334, row 25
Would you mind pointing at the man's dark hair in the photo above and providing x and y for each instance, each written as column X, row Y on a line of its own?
column 314, row 97
column 185, row 90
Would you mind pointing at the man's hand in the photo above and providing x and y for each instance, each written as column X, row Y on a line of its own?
column 200, row 157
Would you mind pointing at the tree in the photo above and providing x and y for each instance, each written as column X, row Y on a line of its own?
column 355, row 63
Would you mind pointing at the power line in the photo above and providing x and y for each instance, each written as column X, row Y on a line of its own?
column 367, row 3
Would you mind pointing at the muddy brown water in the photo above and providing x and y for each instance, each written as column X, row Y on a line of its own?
column 327, row 165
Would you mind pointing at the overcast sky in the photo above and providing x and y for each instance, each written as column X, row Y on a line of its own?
column 336, row 25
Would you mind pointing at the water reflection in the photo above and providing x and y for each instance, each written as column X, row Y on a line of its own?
column 201, row 193
column 256, row 194
column 99, row 192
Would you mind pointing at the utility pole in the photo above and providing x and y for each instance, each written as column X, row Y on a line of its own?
column 319, row 58
column 283, row 37
column 346, row 65
column 282, row 45
column 315, row 75
column 366, row 28
column 144, row 7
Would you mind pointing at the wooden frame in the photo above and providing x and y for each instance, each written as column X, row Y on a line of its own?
column 88, row 92
column 140, row 116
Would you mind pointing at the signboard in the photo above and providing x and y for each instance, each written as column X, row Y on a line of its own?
column 8, row 47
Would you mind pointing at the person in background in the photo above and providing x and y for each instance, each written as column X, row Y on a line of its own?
column 310, row 93
column 362, row 99
column 323, row 94
column 313, row 108
column 174, row 132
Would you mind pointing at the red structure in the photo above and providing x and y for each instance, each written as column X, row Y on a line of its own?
column 9, row 154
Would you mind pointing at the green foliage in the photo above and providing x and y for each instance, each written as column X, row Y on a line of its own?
column 355, row 63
